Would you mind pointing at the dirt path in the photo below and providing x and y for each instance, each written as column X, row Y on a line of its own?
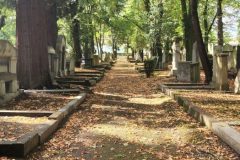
column 128, row 118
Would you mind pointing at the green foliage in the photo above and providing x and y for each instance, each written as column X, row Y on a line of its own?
column 134, row 21
column 8, row 32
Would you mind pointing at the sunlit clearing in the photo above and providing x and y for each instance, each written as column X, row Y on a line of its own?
column 128, row 131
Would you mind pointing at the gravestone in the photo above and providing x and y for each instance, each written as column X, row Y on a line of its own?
column 164, row 60
column 221, row 72
column 61, row 55
column 53, row 62
column 8, row 75
column 176, row 51
column 195, row 53
column 231, row 56
column 70, row 65
column 216, row 51
column 237, row 84
column 188, row 72
column 96, row 60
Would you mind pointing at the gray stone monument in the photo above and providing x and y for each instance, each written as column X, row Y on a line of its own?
column 8, row 76
column 216, row 51
column 61, row 54
column 96, row 60
column 189, row 71
column 176, row 48
column 221, row 72
column 195, row 53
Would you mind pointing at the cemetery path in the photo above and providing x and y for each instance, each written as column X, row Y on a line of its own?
column 128, row 118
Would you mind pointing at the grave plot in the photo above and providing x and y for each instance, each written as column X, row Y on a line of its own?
column 31, row 118
column 19, row 135
column 223, row 106
column 39, row 101
column 219, row 111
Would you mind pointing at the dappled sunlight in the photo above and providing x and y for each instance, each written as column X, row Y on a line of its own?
column 127, row 130
column 110, row 94
column 24, row 120
column 150, row 101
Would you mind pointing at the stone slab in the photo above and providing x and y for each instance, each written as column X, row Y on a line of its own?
column 228, row 134
column 21, row 147
column 53, row 91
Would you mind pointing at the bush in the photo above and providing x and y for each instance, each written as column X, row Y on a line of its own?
column 149, row 66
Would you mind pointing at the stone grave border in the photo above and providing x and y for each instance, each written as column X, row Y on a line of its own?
column 222, row 129
column 31, row 140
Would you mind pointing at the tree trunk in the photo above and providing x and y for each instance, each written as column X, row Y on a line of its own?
column 52, row 33
column 220, row 23
column 141, row 53
column 75, row 32
column 2, row 21
column 201, row 47
column 205, row 22
column 76, row 41
column 33, row 65
column 188, row 29
column 238, row 58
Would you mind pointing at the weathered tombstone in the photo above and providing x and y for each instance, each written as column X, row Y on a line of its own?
column 231, row 56
column 237, row 83
column 176, row 48
column 164, row 61
column 221, row 72
column 53, row 62
column 184, row 55
column 8, row 77
column 216, row 50
column 61, row 52
column 188, row 72
column 96, row 60
column 195, row 53
column 70, row 65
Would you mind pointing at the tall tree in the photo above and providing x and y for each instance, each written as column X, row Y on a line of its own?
column 220, row 23
column 33, row 66
column 201, row 47
column 52, row 32
column 187, row 29
column 75, row 8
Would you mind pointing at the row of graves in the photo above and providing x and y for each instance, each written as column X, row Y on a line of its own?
column 216, row 105
column 29, row 117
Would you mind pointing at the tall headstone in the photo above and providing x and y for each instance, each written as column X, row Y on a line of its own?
column 231, row 56
column 176, row 48
column 195, row 53
column 96, row 60
column 221, row 72
column 216, row 51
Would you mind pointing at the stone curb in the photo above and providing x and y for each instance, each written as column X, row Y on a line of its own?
column 25, row 113
column 52, row 91
column 222, row 129
column 28, row 142
column 21, row 147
